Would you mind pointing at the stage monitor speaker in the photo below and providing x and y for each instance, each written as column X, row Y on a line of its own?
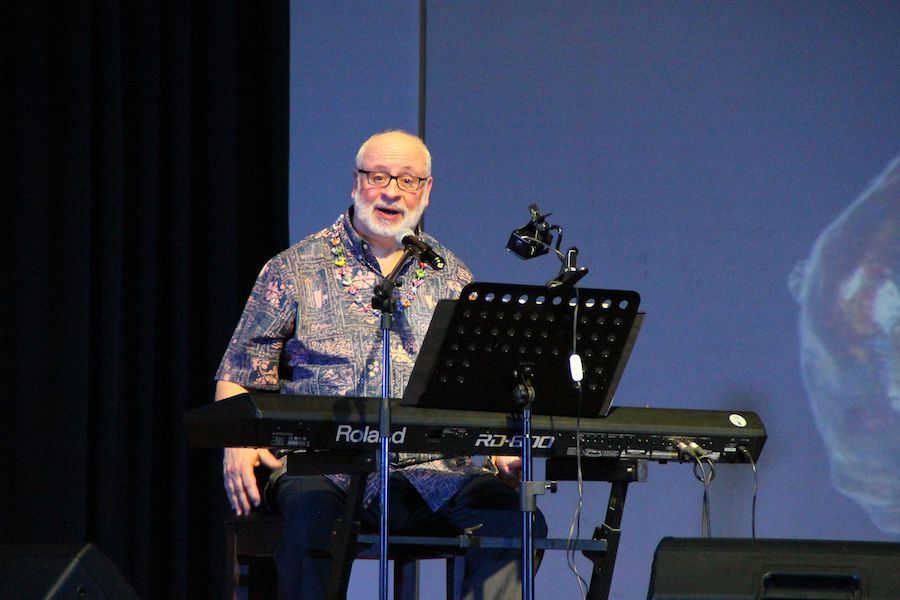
column 745, row 569
column 60, row 572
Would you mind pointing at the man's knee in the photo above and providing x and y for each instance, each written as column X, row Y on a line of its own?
column 309, row 506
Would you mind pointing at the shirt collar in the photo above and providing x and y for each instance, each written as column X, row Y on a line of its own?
column 354, row 243
column 360, row 249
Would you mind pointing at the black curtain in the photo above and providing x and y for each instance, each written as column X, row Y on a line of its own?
column 144, row 181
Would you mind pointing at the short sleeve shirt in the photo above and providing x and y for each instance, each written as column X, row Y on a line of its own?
column 309, row 328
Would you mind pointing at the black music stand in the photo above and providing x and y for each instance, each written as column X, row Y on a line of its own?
column 508, row 348
column 475, row 345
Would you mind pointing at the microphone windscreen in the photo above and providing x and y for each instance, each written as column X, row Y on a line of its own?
column 402, row 234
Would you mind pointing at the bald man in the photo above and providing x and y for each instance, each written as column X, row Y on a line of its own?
column 309, row 328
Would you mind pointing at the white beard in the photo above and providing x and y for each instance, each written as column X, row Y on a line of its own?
column 366, row 215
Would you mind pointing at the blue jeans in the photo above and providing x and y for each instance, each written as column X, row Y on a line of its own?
column 311, row 505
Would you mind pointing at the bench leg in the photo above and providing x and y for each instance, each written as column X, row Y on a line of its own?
column 406, row 579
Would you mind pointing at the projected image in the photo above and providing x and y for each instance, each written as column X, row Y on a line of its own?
column 849, row 295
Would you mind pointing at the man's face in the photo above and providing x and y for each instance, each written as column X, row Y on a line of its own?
column 380, row 213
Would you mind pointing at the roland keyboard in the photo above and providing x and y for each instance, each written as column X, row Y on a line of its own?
column 346, row 423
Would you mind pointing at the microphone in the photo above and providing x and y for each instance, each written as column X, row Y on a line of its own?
column 408, row 239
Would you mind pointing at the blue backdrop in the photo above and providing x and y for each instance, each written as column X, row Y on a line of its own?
column 694, row 152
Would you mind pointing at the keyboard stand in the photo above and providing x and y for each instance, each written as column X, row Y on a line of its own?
column 619, row 472
column 601, row 549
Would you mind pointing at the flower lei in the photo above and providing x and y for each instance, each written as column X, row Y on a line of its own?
column 354, row 282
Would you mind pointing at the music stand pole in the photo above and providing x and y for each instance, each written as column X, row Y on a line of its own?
column 383, row 300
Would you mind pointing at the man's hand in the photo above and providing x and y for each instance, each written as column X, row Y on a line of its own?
column 509, row 467
column 240, row 481
column 238, row 464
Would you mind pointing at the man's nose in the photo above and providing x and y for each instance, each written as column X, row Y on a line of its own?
column 392, row 190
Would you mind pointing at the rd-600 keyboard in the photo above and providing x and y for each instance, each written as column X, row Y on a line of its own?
column 347, row 423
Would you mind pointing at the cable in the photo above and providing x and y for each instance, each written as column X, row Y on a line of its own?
column 559, row 254
column 749, row 456
column 705, row 476
column 701, row 459
column 575, row 525
column 706, row 481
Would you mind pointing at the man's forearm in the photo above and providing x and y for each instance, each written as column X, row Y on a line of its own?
column 226, row 389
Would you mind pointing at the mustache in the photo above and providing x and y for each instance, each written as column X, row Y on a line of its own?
column 371, row 208
column 385, row 206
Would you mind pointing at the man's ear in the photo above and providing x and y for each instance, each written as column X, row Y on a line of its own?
column 354, row 189
column 426, row 193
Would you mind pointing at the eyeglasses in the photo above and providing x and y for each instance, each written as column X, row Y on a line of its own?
column 406, row 182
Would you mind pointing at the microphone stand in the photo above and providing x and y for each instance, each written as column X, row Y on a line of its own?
column 524, row 395
column 383, row 300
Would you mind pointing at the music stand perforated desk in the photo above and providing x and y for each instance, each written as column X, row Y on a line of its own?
column 475, row 346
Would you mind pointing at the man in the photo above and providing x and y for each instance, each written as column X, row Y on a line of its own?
column 309, row 328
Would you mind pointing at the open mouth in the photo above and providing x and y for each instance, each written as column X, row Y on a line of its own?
column 388, row 212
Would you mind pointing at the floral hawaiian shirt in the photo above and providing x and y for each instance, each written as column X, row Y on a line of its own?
column 309, row 328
